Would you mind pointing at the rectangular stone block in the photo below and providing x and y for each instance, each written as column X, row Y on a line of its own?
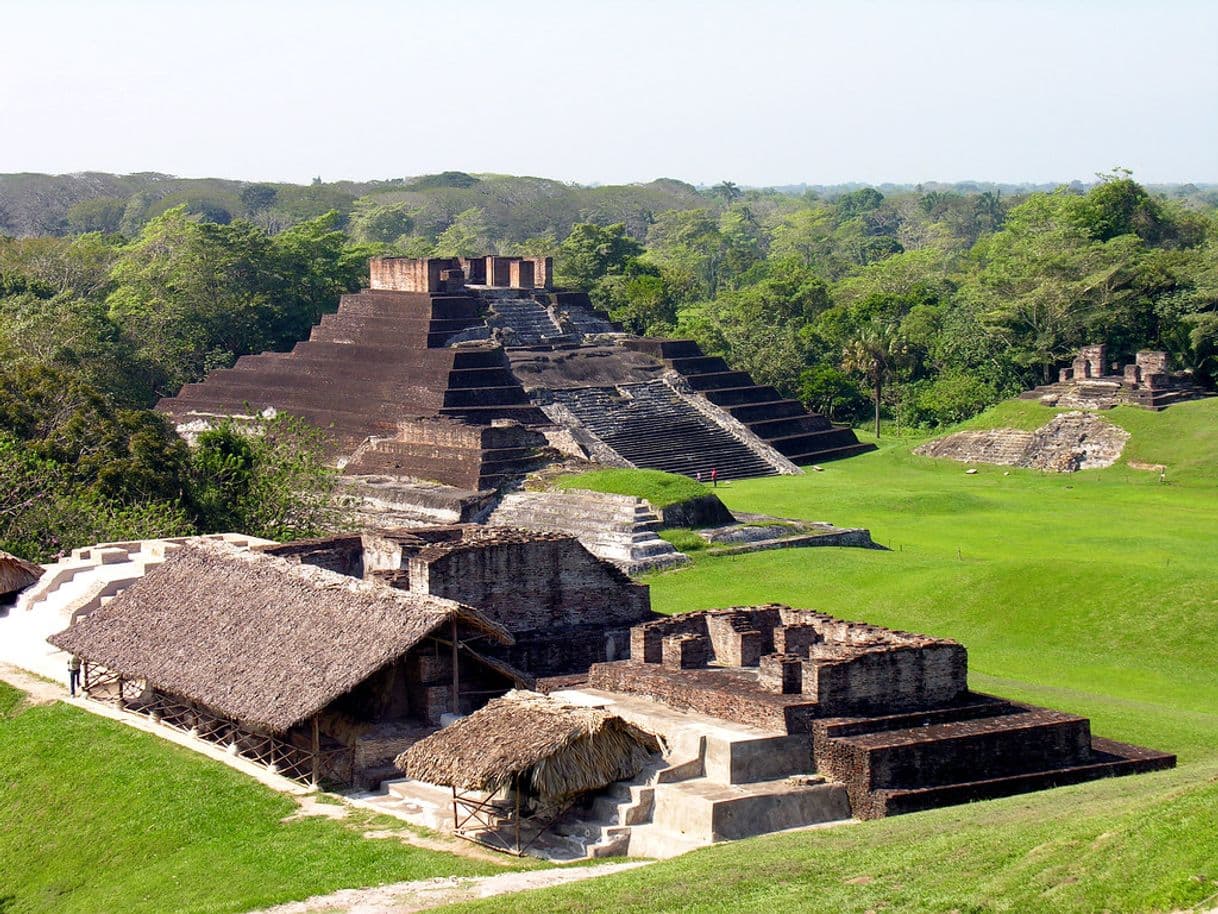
column 1152, row 361
column 520, row 274
column 1133, row 374
column 781, row 673
column 795, row 639
column 436, row 702
column 685, row 652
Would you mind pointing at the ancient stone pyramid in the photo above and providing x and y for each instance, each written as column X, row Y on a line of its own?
column 452, row 369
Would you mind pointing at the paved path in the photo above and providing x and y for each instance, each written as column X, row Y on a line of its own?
column 407, row 897
column 38, row 691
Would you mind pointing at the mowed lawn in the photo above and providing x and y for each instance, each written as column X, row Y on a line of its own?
column 97, row 817
column 1095, row 593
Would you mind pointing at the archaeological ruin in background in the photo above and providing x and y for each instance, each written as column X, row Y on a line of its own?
column 1092, row 382
column 465, row 370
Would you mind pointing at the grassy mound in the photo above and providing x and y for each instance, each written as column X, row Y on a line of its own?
column 1092, row 592
column 1183, row 437
column 659, row 488
column 100, row 817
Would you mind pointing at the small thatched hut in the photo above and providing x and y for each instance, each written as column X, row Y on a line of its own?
column 256, row 651
column 16, row 574
column 548, row 752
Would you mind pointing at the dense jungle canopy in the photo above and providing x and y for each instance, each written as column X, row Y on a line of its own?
column 938, row 300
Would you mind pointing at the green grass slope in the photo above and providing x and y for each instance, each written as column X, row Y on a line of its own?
column 95, row 816
column 659, row 488
column 1095, row 593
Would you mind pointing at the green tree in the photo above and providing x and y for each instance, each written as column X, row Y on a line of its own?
column 101, row 214
column 592, row 251
column 468, row 236
column 875, row 354
column 268, row 479
column 258, row 197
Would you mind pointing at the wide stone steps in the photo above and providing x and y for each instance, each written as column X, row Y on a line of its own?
column 654, row 428
column 760, row 407
column 618, row 528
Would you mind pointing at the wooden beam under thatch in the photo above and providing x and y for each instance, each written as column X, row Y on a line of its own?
column 557, row 750
column 16, row 573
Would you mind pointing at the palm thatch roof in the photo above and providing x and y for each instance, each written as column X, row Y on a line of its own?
column 557, row 749
column 16, row 573
column 257, row 638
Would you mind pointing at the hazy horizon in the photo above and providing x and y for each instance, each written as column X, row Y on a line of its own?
column 792, row 93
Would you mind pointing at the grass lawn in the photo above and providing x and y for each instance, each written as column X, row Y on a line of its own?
column 659, row 488
column 1095, row 593
column 98, row 817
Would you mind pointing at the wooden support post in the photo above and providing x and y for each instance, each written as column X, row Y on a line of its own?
column 316, row 751
column 122, row 704
column 454, row 704
column 516, row 782
column 456, row 818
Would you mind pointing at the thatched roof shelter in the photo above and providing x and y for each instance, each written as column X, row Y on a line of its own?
column 257, row 638
column 16, row 573
column 556, row 750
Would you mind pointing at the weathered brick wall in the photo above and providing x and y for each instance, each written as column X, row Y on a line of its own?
column 407, row 274
column 535, row 586
column 685, row 652
column 713, row 692
column 889, row 678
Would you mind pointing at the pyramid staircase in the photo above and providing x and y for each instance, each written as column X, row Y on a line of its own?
column 621, row 529
column 652, row 426
column 802, row 437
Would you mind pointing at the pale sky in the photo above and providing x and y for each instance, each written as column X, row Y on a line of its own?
column 759, row 92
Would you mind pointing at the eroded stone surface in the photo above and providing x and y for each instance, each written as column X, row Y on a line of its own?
column 1069, row 442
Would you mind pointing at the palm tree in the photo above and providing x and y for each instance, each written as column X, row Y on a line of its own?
column 874, row 353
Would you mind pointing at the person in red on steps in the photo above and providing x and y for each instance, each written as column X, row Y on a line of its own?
column 714, row 477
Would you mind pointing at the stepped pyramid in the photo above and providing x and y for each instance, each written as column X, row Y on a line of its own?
column 409, row 376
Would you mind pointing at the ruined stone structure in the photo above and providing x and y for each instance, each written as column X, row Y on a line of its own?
column 888, row 714
column 1067, row 443
column 467, row 371
column 1090, row 382
column 565, row 608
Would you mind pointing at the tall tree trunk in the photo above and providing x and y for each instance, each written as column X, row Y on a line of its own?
column 877, row 405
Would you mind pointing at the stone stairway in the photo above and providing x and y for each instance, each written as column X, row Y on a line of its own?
column 719, row 781
column 651, row 426
column 618, row 528
column 526, row 322
column 800, row 436
column 77, row 585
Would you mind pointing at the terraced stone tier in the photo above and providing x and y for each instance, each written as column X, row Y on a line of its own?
column 618, row 528
column 475, row 457
column 976, row 749
column 377, row 361
column 800, row 436
column 652, row 427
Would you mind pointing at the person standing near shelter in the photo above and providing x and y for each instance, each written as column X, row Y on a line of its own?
column 73, row 675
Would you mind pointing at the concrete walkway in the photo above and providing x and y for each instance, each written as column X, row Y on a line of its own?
column 406, row 897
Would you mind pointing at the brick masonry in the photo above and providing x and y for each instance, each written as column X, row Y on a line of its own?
column 888, row 713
